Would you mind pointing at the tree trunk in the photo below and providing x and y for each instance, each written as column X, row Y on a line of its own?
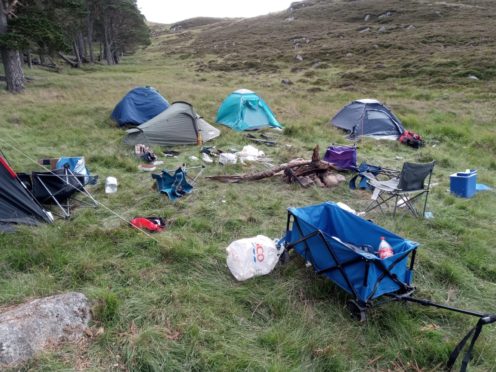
column 77, row 54
column 30, row 59
column 107, row 49
column 14, row 76
column 90, row 37
column 81, row 46
column 68, row 60
column 11, row 60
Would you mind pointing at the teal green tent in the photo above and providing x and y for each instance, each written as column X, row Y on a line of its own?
column 244, row 110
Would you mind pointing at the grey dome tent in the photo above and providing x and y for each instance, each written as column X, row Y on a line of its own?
column 368, row 117
column 178, row 125
column 17, row 205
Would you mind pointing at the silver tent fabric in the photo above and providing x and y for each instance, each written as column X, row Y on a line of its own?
column 178, row 125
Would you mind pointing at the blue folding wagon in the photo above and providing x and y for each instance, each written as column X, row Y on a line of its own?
column 343, row 247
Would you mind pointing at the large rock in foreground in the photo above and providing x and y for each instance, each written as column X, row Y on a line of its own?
column 29, row 328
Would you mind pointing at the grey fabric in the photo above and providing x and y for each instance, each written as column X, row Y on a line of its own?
column 389, row 185
column 178, row 125
column 413, row 176
column 208, row 131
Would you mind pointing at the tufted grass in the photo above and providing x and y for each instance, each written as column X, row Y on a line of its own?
column 171, row 304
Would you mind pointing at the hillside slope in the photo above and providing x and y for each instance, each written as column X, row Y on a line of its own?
column 427, row 40
column 170, row 303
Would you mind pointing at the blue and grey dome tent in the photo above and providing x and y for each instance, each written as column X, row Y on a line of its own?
column 138, row 106
column 368, row 117
column 245, row 110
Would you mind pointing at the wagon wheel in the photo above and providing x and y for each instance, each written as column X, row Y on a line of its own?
column 357, row 312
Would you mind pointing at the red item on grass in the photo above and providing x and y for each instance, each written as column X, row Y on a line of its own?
column 150, row 224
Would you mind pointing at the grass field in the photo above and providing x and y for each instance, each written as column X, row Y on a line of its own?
column 172, row 304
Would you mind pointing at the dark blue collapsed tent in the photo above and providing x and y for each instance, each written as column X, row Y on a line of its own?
column 17, row 204
column 138, row 106
column 368, row 117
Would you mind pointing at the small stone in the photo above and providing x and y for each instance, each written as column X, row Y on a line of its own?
column 299, row 57
column 286, row 82
column 411, row 27
column 473, row 77
column 385, row 15
column 289, row 19
column 349, row 54
column 382, row 29
column 366, row 18
column 363, row 30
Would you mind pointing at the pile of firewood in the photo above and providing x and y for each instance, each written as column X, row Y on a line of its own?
column 304, row 172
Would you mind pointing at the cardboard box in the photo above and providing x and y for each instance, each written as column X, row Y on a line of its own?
column 49, row 163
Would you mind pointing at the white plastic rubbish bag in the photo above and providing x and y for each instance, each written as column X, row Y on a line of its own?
column 251, row 257
column 250, row 153
column 227, row 158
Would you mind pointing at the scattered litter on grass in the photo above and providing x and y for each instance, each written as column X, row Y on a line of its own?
column 153, row 224
column 206, row 158
column 482, row 187
column 227, row 158
column 171, row 153
column 145, row 153
column 147, row 167
column 111, row 185
column 250, row 257
column 304, row 172
column 250, row 153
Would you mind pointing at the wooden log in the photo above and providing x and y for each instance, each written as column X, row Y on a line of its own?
column 68, row 60
column 306, row 167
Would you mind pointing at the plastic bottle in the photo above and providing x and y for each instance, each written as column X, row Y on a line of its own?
column 385, row 250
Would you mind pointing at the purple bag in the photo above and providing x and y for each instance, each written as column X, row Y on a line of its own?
column 343, row 157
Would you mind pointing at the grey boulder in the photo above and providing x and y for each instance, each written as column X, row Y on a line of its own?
column 30, row 328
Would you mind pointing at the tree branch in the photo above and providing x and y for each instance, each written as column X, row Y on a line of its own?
column 9, row 10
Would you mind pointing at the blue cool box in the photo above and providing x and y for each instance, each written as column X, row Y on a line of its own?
column 463, row 184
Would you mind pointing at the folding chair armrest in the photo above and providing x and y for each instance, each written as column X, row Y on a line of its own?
column 388, row 186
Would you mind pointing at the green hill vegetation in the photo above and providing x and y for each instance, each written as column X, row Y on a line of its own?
column 171, row 303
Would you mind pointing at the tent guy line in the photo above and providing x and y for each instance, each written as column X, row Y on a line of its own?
column 56, row 175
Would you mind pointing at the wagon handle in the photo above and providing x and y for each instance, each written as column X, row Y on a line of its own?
column 474, row 332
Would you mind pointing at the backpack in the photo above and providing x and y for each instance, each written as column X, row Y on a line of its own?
column 411, row 139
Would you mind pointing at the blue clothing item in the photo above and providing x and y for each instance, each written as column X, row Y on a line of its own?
column 138, row 106
column 174, row 185
column 244, row 110
column 78, row 166
column 333, row 239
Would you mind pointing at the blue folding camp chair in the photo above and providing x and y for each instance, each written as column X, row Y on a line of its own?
column 174, row 185
column 342, row 247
